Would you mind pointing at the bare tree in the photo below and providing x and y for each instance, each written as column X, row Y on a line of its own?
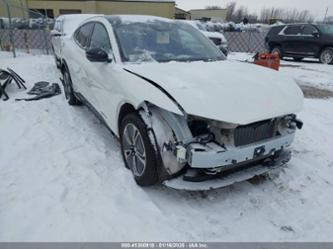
column 267, row 15
column 237, row 14
column 231, row 7
column 253, row 18
column 285, row 15
column 240, row 13
column 329, row 20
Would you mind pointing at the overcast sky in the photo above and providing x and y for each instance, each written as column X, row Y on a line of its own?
column 317, row 7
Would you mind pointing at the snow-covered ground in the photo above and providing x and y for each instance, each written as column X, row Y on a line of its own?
column 309, row 72
column 62, row 177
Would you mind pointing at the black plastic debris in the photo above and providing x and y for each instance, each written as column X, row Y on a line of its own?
column 6, row 78
column 4, row 81
column 17, row 78
column 42, row 90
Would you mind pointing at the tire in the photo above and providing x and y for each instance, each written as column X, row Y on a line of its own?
column 68, row 89
column 298, row 59
column 278, row 50
column 326, row 56
column 57, row 62
column 137, row 151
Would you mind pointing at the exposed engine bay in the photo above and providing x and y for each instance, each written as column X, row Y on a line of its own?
column 200, row 149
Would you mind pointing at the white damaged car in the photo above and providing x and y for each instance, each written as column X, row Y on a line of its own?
column 184, row 115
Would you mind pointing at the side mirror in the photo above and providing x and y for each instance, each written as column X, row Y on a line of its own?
column 97, row 55
column 315, row 33
column 55, row 33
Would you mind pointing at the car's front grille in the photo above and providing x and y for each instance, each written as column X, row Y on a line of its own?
column 248, row 134
column 217, row 41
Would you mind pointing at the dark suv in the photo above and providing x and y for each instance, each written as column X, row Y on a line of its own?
column 302, row 41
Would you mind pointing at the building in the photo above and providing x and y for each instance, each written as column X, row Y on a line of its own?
column 54, row 8
column 209, row 14
column 182, row 14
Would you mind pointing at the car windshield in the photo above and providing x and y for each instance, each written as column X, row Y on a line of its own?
column 162, row 41
column 326, row 28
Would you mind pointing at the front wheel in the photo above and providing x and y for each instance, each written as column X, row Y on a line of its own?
column 326, row 56
column 137, row 151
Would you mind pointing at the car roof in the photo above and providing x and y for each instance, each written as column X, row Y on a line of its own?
column 73, row 21
column 76, row 16
column 136, row 18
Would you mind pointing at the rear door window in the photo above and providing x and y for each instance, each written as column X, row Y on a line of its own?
column 275, row 30
column 293, row 30
column 82, row 35
column 100, row 38
column 308, row 30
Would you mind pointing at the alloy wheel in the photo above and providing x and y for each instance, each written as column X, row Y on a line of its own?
column 66, row 85
column 134, row 150
column 326, row 56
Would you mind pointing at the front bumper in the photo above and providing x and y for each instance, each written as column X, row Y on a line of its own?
column 212, row 155
column 212, row 166
column 229, row 177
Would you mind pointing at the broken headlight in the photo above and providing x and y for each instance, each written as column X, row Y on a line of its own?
column 289, row 124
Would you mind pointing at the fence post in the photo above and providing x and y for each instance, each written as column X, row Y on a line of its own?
column 249, row 41
column 26, row 41
column 10, row 29
column 45, row 35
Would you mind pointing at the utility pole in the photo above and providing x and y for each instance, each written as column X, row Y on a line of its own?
column 10, row 28
column 325, row 14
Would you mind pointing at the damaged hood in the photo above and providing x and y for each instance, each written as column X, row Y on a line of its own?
column 230, row 91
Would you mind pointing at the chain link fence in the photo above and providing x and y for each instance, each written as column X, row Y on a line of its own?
column 23, row 29
column 29, row 41
column 248, row 41
column 26, row 30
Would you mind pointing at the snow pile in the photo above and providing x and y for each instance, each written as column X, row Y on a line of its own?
column 62, row 179
column 237, row 27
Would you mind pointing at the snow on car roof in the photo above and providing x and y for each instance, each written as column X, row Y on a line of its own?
column 71, row 22
column 137, row 18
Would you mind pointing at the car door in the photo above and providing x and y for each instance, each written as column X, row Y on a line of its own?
column 292, row 39
column 79, row 63
column 310, row 40
column 102, row 80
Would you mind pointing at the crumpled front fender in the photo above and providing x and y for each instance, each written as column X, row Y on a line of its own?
column 166, row 130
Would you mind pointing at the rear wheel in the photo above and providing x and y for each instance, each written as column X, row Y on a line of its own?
column 68, row 89
column 326, row 56
column 277, row 50
column 138, row 152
